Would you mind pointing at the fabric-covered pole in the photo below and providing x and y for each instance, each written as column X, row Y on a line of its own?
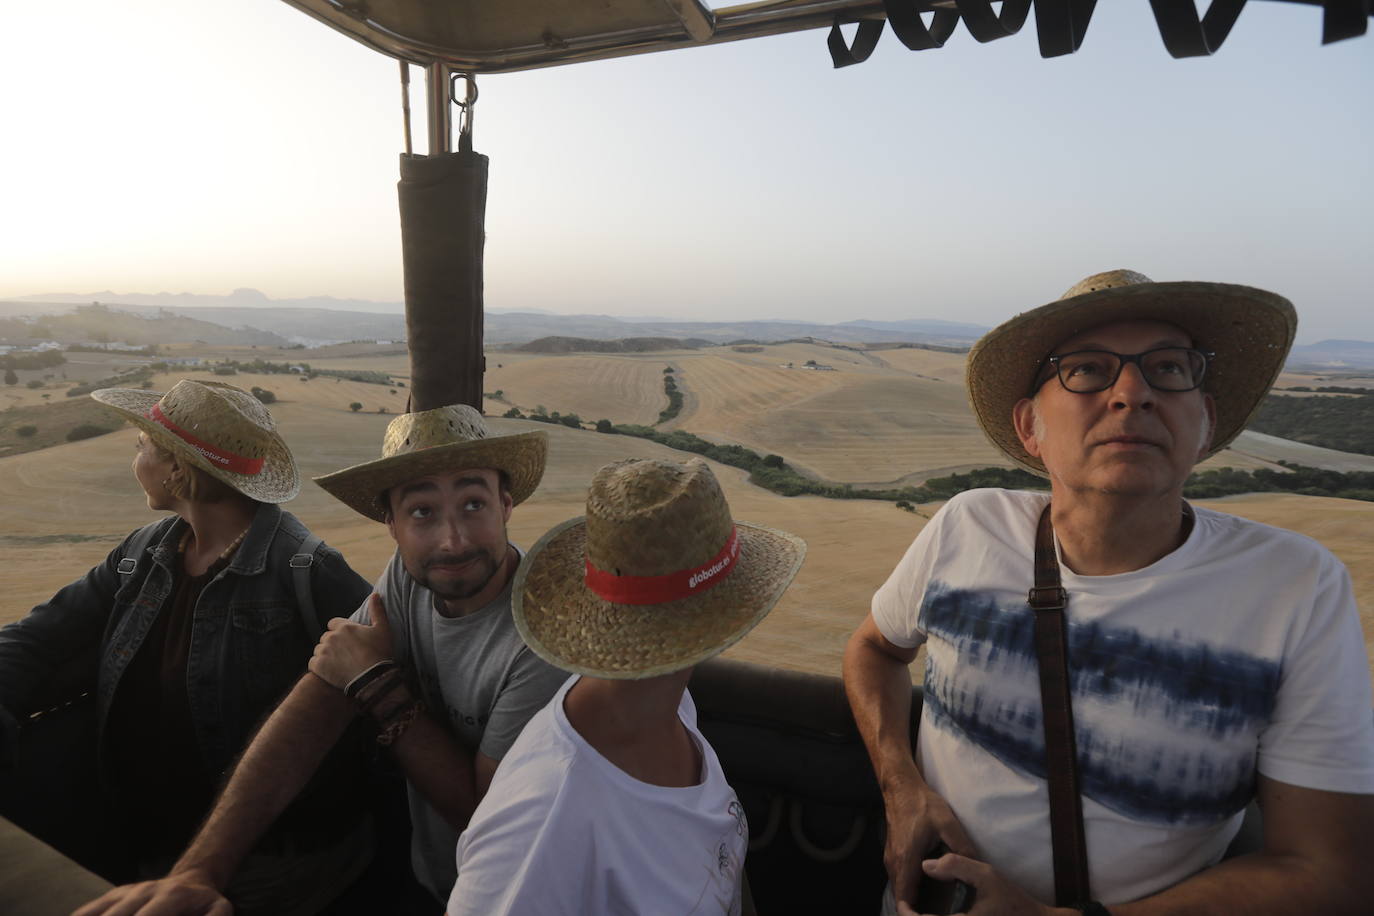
column 443, row 202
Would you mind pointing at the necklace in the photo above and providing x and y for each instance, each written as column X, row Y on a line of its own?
column 224, row 554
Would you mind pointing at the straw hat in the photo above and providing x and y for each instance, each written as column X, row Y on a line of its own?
column 436, row 441
column 1249, row 329
column 222, row 430
column 655, row 578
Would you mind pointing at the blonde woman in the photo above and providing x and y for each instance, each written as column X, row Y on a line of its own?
column 194, row 627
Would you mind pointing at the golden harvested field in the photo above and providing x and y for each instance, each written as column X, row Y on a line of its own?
column 620, row 388
column 881, row 416
column 66, row 507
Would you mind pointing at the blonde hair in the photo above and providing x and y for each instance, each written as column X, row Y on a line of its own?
column 195, row 485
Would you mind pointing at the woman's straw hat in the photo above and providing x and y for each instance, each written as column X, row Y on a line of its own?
column 1249, row 329
column 655, row 578
column 222, row 430
column 436, row 441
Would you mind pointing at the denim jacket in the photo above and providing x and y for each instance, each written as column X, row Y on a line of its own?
column 248, row 643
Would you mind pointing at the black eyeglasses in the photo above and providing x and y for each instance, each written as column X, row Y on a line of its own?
column 1163, row 368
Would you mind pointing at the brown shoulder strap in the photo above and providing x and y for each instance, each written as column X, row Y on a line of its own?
column 1048, row 600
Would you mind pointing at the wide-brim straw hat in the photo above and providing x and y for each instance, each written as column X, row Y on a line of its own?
column 656, row 577
column 1250, row 330
column 223, row 430
column 437, row 441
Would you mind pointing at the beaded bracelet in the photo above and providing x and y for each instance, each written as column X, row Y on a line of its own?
column 372, row 673
column 399, row 723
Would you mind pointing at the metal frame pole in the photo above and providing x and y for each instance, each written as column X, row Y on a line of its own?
column 437, row 110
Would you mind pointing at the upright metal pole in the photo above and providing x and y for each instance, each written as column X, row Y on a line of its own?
column 437, row 111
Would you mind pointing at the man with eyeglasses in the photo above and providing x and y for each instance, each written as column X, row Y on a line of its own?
column 1210, row 660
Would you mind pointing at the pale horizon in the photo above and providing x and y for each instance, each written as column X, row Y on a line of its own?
column 248, row 146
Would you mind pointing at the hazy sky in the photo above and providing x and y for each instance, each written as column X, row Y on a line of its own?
column 157, row 145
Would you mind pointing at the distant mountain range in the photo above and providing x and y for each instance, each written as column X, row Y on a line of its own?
column 1333, row 354
column 249, row 316
column 322, row 320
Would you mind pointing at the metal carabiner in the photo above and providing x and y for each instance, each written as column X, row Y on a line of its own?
column 465, row 105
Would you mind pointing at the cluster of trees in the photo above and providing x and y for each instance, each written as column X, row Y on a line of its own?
column 1297, row 479
column 267, row 367
column 1332, row 389
column 150, row 350
column 86, row 431
column 674, row 397
column 540, row 414
column 1345, row 424
column 42, row 359
column 140, row 377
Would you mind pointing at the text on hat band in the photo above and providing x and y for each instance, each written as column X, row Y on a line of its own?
column 239, row 464
column 683, row 583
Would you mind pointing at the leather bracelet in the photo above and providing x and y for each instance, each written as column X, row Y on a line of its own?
column 397, row 726
column 380, row 690
column 1093, row 908
column 359, row 683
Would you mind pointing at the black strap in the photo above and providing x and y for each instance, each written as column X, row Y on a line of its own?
column 1186, row 34
column 301, row 561
column 865, row 40
column 1048, row 599
column 1343, row 19
column 985, row 25
column 905, row 18
column 1061, row 24
column 139, row 546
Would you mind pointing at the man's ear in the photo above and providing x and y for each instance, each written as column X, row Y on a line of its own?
column 1023, row 419
column 507, row 504
column 1209, row 405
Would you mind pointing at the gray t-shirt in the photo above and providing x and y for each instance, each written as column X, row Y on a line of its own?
column 476, row 674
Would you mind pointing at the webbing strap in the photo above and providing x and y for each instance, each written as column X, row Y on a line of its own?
column 865, row 40
column 985, row 25
column 1061, row 24
column 1343, row 19
column 139, row 546
column 1186, row 34
column 905, row 18
column 1048, row 600
column 300, row 563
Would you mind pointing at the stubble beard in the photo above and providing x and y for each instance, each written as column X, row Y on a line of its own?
column 485, row 569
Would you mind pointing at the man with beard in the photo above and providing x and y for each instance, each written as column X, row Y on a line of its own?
column 432, row 659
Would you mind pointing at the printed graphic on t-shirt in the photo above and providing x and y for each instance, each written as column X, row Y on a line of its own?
column 1196, row 710
column 721, row 888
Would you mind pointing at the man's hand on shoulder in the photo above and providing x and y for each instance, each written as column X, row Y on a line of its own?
column 993, row 894
column 918, row 820
column 185, row 894
column 347, row 649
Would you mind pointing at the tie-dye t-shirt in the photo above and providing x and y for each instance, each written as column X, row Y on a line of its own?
column 1239, row 651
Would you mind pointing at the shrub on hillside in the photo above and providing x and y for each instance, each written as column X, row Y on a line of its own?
column 34, row 383
column 86, row 431
column 355, row 406
column 514, row 413
column 262, row 394
column 26, row 431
